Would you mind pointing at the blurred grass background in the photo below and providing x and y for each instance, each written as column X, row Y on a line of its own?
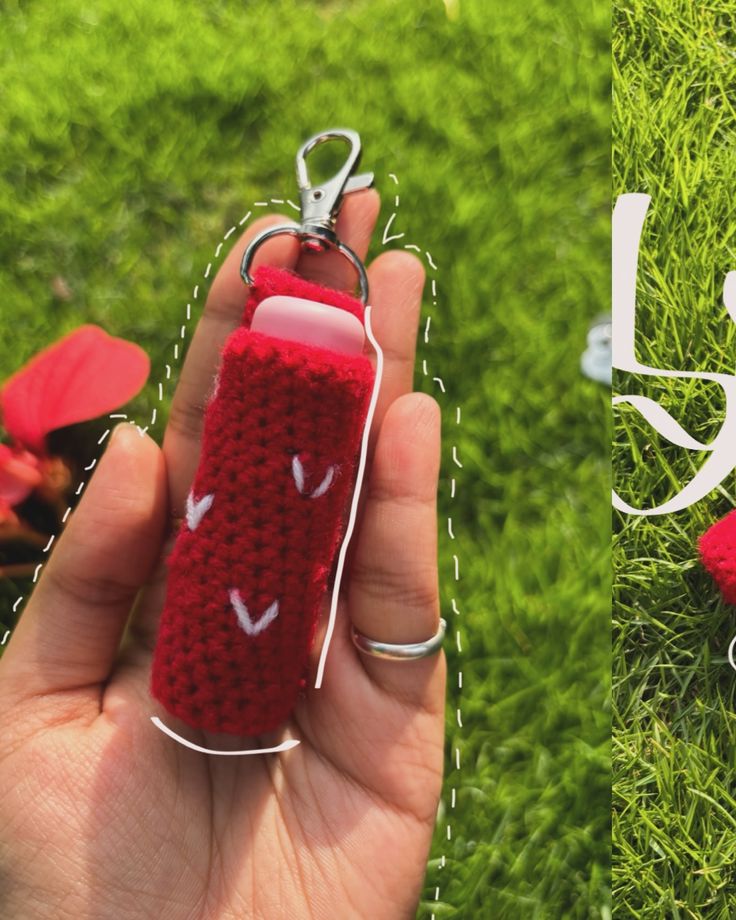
column 133, row 135
column 674, row 693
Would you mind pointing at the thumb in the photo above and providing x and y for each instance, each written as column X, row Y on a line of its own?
column 70, row 631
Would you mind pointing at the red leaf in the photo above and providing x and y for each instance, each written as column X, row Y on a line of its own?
column 83, row 375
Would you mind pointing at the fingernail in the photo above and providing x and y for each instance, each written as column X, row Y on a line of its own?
column 121, row 426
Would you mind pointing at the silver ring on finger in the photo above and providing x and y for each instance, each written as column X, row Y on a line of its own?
column 396, row 651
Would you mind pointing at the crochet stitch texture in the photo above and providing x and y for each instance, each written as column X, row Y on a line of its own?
column 717, row 547
column 265, row 517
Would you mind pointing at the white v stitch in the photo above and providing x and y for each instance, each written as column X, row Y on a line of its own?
column 325, row 484
column 297, row 470
column 252, row 628
column 197, row 510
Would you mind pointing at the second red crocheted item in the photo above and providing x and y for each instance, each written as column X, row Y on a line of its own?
column 265, row 517
column 718, row 553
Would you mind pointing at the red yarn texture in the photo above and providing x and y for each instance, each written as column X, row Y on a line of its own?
column 269, row 281
column 262, row 536
column 718, row 553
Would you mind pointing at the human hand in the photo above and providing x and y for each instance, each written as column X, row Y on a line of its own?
column 102, row 815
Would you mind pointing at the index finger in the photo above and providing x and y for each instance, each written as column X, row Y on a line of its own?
column 222, row 314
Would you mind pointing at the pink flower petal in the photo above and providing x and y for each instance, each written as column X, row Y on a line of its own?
column 80, row 377
column 7, row 515
column 19, row 475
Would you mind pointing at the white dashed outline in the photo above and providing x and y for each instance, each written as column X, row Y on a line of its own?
column 386, row 239
column 453, row 492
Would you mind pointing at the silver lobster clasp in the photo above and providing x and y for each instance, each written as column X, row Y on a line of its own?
column 320, row 206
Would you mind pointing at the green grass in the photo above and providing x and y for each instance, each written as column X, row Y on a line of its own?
column 674, row 693
column 134, row 135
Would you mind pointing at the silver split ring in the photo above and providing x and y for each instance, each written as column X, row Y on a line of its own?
column 298, row 232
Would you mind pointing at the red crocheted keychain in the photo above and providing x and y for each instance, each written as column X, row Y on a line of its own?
column 717, row 548
column 268, row 507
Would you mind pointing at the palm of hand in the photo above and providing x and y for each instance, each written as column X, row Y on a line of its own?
column 103, row 816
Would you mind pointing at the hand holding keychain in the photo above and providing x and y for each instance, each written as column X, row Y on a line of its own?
column 268, row 506
column 149, row 827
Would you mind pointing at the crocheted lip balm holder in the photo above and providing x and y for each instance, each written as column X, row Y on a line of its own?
column 268, row 506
